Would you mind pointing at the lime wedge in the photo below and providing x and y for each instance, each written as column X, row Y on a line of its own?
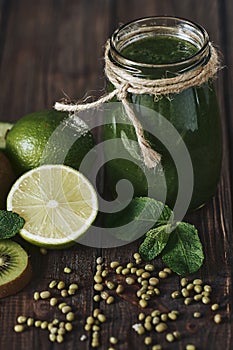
column 57, row 202
column 4, row 127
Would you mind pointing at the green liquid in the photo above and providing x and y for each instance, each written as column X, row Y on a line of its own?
column 159, row 50
column 194, row 114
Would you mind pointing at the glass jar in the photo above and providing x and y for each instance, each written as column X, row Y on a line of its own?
column 156, row 48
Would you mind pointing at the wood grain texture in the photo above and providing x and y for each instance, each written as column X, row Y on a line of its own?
column 50, row 49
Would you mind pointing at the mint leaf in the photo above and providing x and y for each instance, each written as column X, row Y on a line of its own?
column 10, row 224
column 183, row 252
column 138, row 217
column 155, row 241
column 166, row 216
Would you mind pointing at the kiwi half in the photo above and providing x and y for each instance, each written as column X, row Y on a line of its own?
column 15, row 268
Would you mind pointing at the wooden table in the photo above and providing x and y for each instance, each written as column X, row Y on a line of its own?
column 51, row 48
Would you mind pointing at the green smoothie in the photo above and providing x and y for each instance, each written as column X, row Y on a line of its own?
column 193, row 112
column 159, row 49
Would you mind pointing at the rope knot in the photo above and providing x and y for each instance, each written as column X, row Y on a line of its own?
column 123, row 92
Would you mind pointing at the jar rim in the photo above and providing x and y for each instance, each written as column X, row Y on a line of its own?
column 202, row 50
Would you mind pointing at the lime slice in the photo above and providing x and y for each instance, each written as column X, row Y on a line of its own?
column 4, row 127
column 57, row 202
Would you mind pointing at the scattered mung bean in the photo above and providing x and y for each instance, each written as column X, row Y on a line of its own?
column 64, row 293
column 197, row 281
column 163, row 274
column 96, row 298
column 44, row 325
column 198, row 288
column 187, row 301
column 119, row 269
column 217, row 318
column 113, row 340
column 45, row 294
column 99, row 260
column 185, row 292
column 114, row 264
column 143, row 303
column 36, row 296
column 66, row 309
column 67, row 270
column 18, row 328
column 52, row 284
column 59, row 338
column 101, row 318
column 70, row 316
column 170, row 337
column 167, row 270
column 53, row 301
column 21, row 319
column 120, row 289
column 147, row 340
column 137, row 256
column 175, row 294
column 161, row 327
column 184, row 281
column 30, row 322
column 149, row 267
column 37, row 323
column 52, row 337
column 130, row 280
column 61, row 285
column 148, row 326
column 110, row 300
column 205, row 300
column 214, row 307
column 98, row 287
column 73, row 286
column 190, row 347
column 140, row 330
column 110, row 285
column 157, row 347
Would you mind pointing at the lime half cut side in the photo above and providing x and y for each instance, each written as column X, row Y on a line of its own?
column 58, row 204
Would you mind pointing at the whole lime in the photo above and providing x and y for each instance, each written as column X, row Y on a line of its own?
column 6, row 179
column 48, row 137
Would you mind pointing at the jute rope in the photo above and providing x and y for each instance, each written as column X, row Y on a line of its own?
column 124, row 83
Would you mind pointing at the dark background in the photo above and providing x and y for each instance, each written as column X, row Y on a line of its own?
column 53, row 48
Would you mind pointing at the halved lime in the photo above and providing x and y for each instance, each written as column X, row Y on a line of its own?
column 57, row 202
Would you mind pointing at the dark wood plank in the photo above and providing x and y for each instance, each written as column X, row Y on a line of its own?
column 53, row 48
column 125, row 12
column 226, row 10
column 51, row 53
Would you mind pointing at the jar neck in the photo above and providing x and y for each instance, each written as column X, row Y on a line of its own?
column 163, row 27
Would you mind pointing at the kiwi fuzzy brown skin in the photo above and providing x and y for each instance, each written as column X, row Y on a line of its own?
column 15, row 268
column 18, row 284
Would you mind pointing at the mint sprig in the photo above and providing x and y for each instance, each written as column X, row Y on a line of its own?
column 177, row 243
column 10, row 224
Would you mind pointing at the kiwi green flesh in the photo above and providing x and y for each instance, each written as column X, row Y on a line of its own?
column 15, row 269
